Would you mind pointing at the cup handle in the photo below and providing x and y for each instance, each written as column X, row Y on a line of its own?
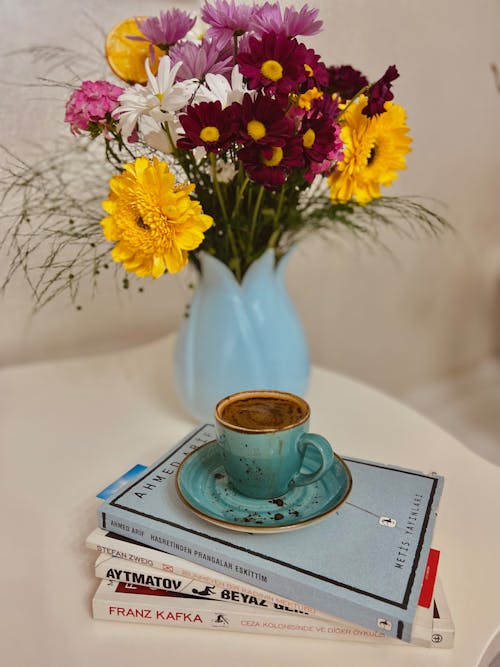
column 324, row 449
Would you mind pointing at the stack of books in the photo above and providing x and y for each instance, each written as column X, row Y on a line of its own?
column 366, row 572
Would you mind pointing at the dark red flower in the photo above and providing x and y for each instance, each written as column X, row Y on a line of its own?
column 263, row 120
column 209, row 125
column 326, row 107
column 321, row 144
column 274, row 63
column 270, row 165
column 316, row 71
column 345, row 81
column 380, row 93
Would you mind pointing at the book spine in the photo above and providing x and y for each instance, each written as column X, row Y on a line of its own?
column 110, row 568
column 211, row 615
column 442, row 635
column 120, row 556
column 118, row 521
column 116, row 570
column 443, row 627
column 164, row 562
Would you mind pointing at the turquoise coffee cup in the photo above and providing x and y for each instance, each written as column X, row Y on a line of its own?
column 263, row 438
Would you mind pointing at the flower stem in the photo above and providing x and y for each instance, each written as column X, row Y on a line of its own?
column 279, row 208
column 239, row 196
column 256, row 212
column 217, row 189
column 169, row 137
column 122, row 144
column 351, row 101
column 111, row 155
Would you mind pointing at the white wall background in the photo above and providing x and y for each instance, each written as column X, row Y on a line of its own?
column 396, row 321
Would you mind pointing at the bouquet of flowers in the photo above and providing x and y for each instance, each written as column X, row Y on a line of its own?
column 229, row 143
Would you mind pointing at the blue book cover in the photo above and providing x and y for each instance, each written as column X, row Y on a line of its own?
column 364, row 563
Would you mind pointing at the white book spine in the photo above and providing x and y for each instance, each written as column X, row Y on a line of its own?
column 110, row 604
column 119, row 561
column 443, row 627
column 115, row 569
column 142, row 555
column 438, row 632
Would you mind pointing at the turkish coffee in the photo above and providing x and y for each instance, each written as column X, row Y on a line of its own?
column 261, row 412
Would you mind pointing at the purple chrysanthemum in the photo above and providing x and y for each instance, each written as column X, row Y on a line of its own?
column 227, row 19
column 345, row 81
column 380, row 93
column 166, row 30
column 91, row 106
column 200, row 59
column 268, row 18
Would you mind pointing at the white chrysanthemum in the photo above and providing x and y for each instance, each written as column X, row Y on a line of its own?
column 215, row 89
column 225, row 171
column 155, row 136
column 159, row 99
column 218, row 89
column 238, row 86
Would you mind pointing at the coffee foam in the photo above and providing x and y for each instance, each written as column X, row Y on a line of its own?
column 259, row 413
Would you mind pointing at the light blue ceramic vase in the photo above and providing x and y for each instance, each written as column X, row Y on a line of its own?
column 239, row 336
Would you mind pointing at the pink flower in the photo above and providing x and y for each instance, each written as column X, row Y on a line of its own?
column 200, row 59
column 90, row 108
column 268, row 18
column 227, row 19
column 166, row 30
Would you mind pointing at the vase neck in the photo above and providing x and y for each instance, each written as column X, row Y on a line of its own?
column 215, row 272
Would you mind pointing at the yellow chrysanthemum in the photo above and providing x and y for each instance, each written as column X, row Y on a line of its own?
column 306, row 99
column 153, row 221
column 374, row 151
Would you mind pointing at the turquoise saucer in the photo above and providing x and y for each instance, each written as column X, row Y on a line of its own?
column 203, row 486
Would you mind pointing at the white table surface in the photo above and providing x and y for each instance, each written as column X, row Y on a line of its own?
column 68, row 428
